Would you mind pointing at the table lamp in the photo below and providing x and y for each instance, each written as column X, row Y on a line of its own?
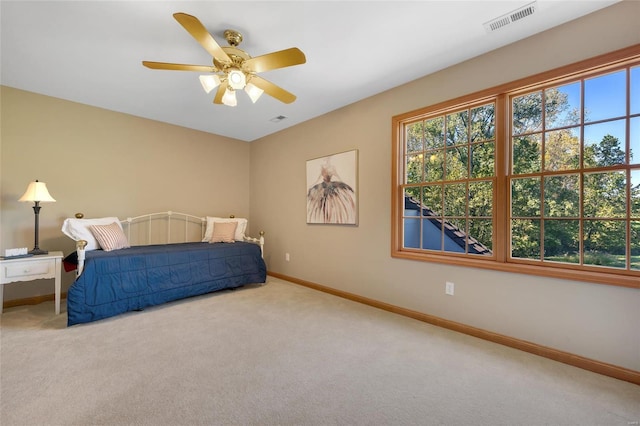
column 38, row 193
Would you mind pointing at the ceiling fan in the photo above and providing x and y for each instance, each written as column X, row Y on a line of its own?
column 233, row 69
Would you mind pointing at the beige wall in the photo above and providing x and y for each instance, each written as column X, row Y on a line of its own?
column 104, row 163
column 592, row 320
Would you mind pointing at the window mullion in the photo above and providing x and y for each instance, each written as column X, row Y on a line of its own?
column 501, row 207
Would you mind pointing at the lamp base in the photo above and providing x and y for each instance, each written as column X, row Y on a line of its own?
column 37, row 251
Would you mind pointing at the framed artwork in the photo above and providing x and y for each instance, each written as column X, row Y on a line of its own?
column 332, row 189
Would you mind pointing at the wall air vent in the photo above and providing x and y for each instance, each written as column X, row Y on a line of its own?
column 511, row 17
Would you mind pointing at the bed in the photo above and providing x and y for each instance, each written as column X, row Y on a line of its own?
column 148, row 260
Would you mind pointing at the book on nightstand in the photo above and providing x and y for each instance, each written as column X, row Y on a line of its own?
column 17, row 256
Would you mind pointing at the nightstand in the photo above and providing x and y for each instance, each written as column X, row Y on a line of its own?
column 32, row 268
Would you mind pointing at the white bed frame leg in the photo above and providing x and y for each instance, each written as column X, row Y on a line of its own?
column 259, row 241
column 80, row 245
column 262, row 244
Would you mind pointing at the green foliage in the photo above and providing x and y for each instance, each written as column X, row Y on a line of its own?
column 527, row 157
column 414, row 164
column 457, row 163
column 562, row 195
column 483, row 126
column 432, row 197
column 608, row 152
column 561, row 238
column 483, row 160
column 455, row 200
column 597, row 259
column 525, row 238
column 562, row 150
column 457, row 128
column 414, row 137
column 480, row 199
column 527, row 113
column 482, row 230
column 525, row 197
column 601, row 195
column 434, row 133
column 604, row 259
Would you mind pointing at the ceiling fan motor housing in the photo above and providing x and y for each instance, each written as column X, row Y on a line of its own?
column 234, row 38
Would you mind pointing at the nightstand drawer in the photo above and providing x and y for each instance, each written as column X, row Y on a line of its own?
column 29, row 269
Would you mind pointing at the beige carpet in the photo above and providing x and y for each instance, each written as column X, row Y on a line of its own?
column 287, row 355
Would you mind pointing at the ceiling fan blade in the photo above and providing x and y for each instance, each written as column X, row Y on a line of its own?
column 221, row 89
column 202, row 36
column 271, row 61
column 178, row 67
column 273, row 90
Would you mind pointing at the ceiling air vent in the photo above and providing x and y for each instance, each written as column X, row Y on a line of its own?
column 511, row 17
column 278, row 119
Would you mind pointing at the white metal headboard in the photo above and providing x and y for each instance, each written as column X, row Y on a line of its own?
column 185, row 218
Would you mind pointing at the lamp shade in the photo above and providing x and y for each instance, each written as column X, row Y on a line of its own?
column 209, row 82
column 254, row 92
column 229, row 97
column 37, row 191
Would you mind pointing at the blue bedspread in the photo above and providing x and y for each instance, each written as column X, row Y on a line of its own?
column 135, row 278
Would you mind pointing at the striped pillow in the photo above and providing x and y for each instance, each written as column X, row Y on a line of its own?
column 110, row 237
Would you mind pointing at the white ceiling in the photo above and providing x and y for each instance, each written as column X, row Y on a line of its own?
column 91, row 51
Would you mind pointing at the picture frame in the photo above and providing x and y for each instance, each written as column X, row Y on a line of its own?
column 332, row 189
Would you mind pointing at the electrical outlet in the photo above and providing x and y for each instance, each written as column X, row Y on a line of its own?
column 448, row 288
column 287, row 257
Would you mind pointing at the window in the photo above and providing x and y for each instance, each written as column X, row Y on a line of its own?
column 450, row 179
column 539, row 176
column 575, row 176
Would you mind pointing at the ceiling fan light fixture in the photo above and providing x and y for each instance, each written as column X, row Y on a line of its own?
column 237, row 79
column 254, row 92
column 229, row 97
column 209, row 82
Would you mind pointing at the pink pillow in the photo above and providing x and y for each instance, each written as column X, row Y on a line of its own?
column 223, row 232
column 110, row 237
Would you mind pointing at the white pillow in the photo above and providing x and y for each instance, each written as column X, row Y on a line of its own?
column 239, row 236
column 78, row 229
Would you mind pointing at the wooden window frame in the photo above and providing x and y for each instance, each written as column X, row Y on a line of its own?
column 500, row 261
